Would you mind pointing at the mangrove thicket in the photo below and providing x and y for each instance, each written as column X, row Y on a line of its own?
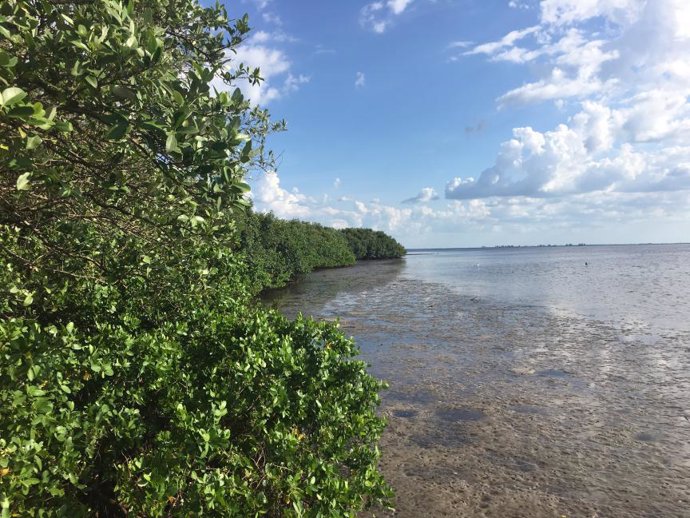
column 137, row 377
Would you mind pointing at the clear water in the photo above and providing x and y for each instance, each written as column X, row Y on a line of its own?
column 645, row 284
column 531, row 382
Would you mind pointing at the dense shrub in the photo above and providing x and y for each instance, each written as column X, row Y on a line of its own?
column 136, row 376
column 372, row 244
column 277, row 250
column 211, row 406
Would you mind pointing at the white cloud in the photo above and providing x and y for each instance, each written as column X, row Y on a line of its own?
column 509, row 219
column 292, row 83
column 563, row 12
column 277, row 36
column 515, row 4
column 269, row 17
column 398, row 6
column 360, row 80
column 337, row 183
column 261, row 4
column 460, row 44
column 427, row 194
column 378, row 16
column 507, row 41
column 630, row 76
column 269, row 196
column 272, row 18
column 595, row 151
column 274, row 64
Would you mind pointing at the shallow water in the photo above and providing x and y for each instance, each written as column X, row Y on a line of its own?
column 517, row 391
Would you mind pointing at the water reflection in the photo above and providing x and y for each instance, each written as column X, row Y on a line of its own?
column 501, row 405
column 310, row 294
column 643, row 284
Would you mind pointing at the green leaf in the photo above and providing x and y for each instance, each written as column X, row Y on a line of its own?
column 92, row 81
column 171, row 143
column 23, row 182
column 6, row 60
column 117, row 131
column 179, row 99
column 76, row 69
column 33, row 142
column 64, row 126
column 12, row 95
column 124, row 93
column 81, row 45
column 244, row 187
column 21, row 112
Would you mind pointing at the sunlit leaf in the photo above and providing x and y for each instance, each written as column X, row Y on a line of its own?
column 23, row 182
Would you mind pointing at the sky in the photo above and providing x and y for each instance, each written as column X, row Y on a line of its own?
column 462, row 123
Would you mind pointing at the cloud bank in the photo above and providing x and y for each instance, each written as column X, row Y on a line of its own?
column 621, row 68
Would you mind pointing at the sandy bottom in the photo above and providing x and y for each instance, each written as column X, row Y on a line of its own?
column 515, row 411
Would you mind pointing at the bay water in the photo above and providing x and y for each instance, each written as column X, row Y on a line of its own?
column 545, row 381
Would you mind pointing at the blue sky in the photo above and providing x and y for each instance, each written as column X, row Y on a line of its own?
column 478, row 122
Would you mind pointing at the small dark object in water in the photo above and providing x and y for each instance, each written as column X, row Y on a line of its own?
column 460, row 414
column 646, row 437
column 586, row 263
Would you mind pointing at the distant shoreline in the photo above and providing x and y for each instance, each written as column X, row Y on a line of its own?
column 422, row 251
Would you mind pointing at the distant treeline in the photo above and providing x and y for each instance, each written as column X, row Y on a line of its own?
column 372, row 244
column 278, row 250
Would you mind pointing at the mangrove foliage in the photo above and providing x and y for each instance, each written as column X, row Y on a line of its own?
column 137, row 377
column 276, row 250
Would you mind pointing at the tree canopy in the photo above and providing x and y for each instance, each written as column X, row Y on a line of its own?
column 136, row 375
column 372, row 244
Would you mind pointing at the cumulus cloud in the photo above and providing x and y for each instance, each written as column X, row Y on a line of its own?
column 584, row 155
column 630, row 80
column 513, row 219
column 379, row 16
column 269, row 196
column 259, row 51
column 398, row 6
column 427, row 194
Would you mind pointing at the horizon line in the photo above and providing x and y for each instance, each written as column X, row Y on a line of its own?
column 565, row 245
